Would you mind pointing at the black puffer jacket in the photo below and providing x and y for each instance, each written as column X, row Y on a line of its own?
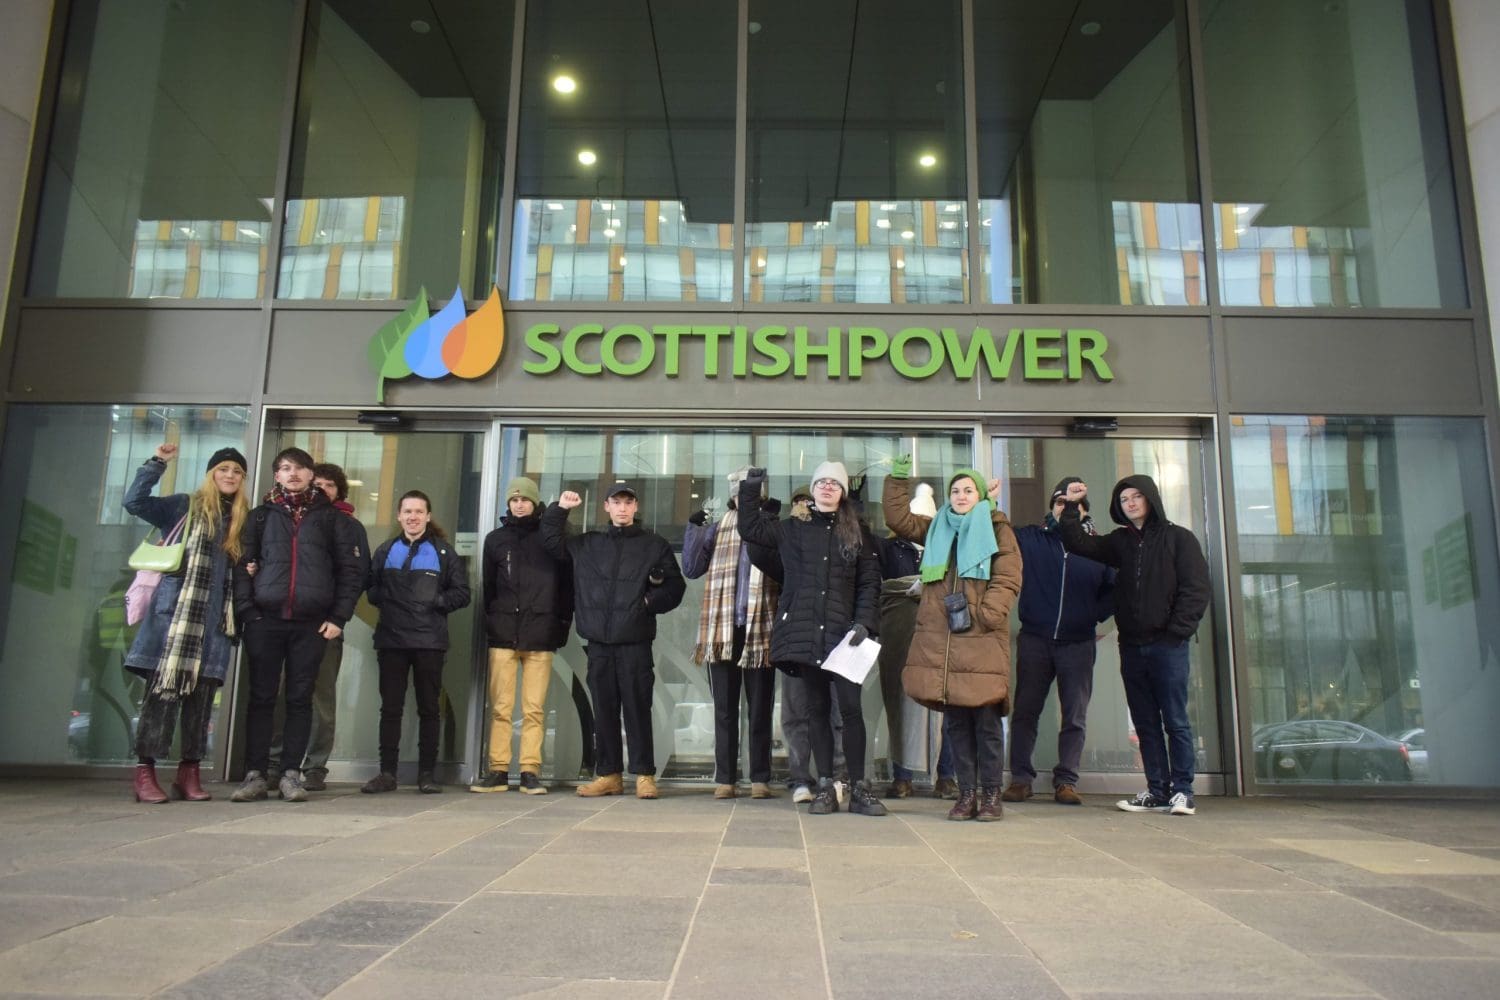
column 614, row 600
column 312, row 571
column 528, row 593
column 1162, row 590
column 416, row 592
column 823, row 593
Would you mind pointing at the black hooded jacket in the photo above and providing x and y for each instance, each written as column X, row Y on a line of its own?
column 528, row 592
column 614, row 600
column 312, row 570
column 1162, row 590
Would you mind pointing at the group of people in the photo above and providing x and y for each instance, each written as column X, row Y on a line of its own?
column 283, row 578
column 781, row 595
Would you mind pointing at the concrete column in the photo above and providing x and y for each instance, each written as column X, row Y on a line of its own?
column 22, row 47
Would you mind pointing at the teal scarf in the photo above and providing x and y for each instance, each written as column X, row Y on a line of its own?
column 976, row 543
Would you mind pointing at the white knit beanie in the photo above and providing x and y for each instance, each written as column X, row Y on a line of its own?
column 832, row 470
column 922, row 503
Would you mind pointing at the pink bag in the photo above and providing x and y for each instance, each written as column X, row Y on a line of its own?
column 143, row 588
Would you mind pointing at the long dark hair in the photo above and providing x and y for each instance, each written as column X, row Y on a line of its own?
column 847, row 529
column 433, row 529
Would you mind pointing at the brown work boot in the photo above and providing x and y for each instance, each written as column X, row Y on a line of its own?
column 761, row 790
column 1066, row 795
column 720, row 791
column 605, row 784
column 945, row 788
column 967, row 806
column 990, row 808
column 1017, row 792
column 645, row 787
column 900, row 789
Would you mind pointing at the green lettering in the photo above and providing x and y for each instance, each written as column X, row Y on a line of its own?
column 1007, row 356
column 673, row 334
column 1093, row 353
column 710, row 335
column 903, row 365
column 741, row 352
column 631, row 332
column 965, row 361
column 1037, row 352
column 858, row 353
column 831, row 348
column 570, row 349
column 538, row 342
column 766, row 345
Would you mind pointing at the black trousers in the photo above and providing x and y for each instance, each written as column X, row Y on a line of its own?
column 425, row 666
column 726, row 679
column 820, row 724
column 977, row 736
column 274, row 646
column 1040, row 661
column 621, row 676
column 158, row 719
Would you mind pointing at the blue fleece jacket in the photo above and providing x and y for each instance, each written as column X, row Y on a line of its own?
column 1063, row 596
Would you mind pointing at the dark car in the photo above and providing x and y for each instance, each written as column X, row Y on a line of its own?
column 1327, row 750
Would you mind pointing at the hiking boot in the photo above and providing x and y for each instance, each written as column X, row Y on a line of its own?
column 605, row 784
column 252, row 789
column 945, row 788
column 724, row 792
column 495, row 781
column 761, row 790
column 801, row 794
column 1018, row 791
column 900, row 789
column 290, row 787
column 1065, row 795
column 531, row 784
column 1182, row 805
column 967, row 806
column 990, row 809
column 645, row 787
column 146, row 789
column 427, row 784
column 863, row 802
column 826, row 801
column 315, row 781
column 385, row 781
column 1144, row 802
column 189, row 784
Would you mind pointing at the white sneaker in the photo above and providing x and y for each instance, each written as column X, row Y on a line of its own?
column 1182, row 805
column 1144, row 802
column 841, row 790
column 802, row 794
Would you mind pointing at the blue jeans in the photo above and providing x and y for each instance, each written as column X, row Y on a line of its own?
column 1156, row 688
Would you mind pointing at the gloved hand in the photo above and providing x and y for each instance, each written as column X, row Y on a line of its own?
column 698, row 518
column 901, row 467
column 771, row 506
column 756, row 474
column 858, row 634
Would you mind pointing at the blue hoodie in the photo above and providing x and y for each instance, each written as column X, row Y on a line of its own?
column 1063, row 596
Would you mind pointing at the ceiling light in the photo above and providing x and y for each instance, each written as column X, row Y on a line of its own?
column 907, row 234
column 1239, row 230
column 954, row 207
column 882, row 223
column 949, row 224
column 661, row 218
column 554, row 206
column 420, row 26
column 900, row 265
column 609, row 234
column 1090, row 28
column 927, row 160
column 573, row 228
column 760, row 262
column 608, row 206
column 985, row 223
column 753, row 27
column 614, row 222
column 1242, row 210
column 888, row 206
column 249, row 232
column 564, row 84
column 184, row 230
column 587, row 157
column 622, row 261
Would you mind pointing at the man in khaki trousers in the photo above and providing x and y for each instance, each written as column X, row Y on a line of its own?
column 528, row 607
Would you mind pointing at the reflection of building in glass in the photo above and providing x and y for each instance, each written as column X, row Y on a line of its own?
column 1284, row 265
column 342, row 248
column 199, row 259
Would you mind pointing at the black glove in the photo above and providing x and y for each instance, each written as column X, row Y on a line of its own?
column 771, row 506
column 698, row 518
column 755, row 475
column 858, row 634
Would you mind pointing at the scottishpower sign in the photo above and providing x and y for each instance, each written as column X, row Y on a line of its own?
column 450, row 343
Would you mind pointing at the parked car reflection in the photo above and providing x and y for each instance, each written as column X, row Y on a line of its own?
column 1327, row 750
column 1415, row 741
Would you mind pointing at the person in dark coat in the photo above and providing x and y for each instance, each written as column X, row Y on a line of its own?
column 417, row 581
column 309, row 567
column 184, row 643
column 831, row 588
column 1063, row 599
column 623, row 577
column 528, row 606
column 1161, row 594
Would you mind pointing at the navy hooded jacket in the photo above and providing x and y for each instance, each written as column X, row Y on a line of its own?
column 1063, row 595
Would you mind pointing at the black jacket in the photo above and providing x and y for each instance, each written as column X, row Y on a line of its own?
column 1063, row 597
column 312, row 571
column 416, row 596
column 528, row 592
column 1162, row 589
column 823, row 592
column 614, row 600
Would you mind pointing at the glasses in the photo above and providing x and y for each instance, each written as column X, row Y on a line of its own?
column 823, row 484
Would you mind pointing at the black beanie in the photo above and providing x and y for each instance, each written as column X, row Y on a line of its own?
column 227, row 455
column 1061, row 490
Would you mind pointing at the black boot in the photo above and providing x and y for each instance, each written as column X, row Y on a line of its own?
column 826, row 801
column 863, row 802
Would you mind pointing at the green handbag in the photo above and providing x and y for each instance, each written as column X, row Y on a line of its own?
column 164, row 556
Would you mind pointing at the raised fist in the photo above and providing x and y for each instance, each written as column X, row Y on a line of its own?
column 698, row 518
column 992, row 489
column 569, row 500
column 166, row 452
column 901, row 467
column 755, row 475
column 1076, row 492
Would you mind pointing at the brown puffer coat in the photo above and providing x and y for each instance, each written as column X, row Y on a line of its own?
column 970, row 668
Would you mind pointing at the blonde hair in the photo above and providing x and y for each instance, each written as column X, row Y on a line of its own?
column 205, row 507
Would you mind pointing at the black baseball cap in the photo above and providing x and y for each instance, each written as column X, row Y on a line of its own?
column 622, row 487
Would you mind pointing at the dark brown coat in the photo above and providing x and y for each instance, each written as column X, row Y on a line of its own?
column 970, row 668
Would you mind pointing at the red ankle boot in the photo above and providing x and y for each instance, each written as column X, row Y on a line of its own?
column 146, row 788
column 187, row 785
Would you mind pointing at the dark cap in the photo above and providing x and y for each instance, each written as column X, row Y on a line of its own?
column 625, row 488
column 227, row 455
column 1061, row 490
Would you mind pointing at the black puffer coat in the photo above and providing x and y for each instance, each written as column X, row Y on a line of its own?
column 528, row 592
column 312, row 571
column 1162, row 590
column 823, row 593
column 416, row 595
column 614, row 600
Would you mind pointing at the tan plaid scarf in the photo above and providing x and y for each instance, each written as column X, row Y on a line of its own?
column 177, row 670
column 716, row 622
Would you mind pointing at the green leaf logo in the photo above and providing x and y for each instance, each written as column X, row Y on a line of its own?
column 387, row 348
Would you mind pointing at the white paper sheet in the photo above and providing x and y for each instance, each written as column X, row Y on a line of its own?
column 853, row 662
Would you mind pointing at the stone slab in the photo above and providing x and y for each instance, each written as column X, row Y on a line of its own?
column 605, row 875
column 1397, row 857
column 275, row 971
column 383, row 922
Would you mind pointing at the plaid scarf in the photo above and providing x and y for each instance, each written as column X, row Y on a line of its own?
column 716, row 622
column 177, row 670
column 296, row 504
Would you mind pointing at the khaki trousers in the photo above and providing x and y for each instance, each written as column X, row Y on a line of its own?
column 536, row 671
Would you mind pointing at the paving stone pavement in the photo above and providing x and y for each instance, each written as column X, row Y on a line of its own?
column 413, row 896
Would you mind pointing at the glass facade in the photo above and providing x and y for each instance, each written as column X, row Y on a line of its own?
column 1368, row 575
